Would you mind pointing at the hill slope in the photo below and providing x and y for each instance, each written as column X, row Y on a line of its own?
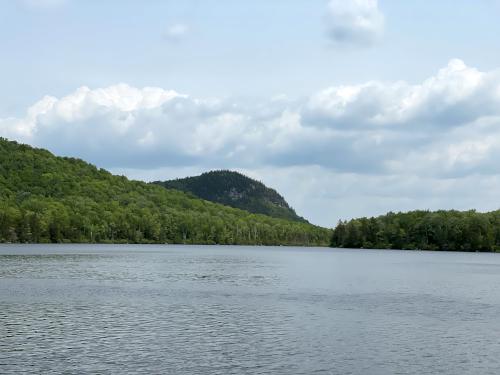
column 236, row 190
column 44, row 198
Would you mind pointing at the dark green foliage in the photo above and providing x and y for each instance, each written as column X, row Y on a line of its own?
column 236, row 190
column 440, row 230
column 44, row 198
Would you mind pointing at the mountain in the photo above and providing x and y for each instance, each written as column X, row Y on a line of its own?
column 236, row 190
column 44, row 198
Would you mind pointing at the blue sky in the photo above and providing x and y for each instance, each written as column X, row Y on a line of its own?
column 244, row 48
column 347, row 107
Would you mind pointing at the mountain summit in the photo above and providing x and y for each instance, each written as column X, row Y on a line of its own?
column 236, row 190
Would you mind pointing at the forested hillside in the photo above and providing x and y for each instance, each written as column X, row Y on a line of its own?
column 44, row 198
column 236, row 190
column 440, row 230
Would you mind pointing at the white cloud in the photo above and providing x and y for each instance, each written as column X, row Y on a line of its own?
column 354, row 22
column 383, row 145
column 456, row 94
column 176, row 31
column 450, row 119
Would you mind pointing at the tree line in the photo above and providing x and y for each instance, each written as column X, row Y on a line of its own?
column 440, row 230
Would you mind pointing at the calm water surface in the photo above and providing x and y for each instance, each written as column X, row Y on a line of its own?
column 243, row 310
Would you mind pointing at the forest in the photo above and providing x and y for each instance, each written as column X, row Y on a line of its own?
column 440, row 230
column 44, row 198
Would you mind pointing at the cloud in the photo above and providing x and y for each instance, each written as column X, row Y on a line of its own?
column 448, row 124
column 421, row 144
column 455, row 95
column 354, row 22
column 373, row 126
column 176, row 32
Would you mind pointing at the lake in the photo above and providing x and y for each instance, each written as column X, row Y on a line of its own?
column 149, row 309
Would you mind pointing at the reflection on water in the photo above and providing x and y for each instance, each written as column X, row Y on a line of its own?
column 243, row 310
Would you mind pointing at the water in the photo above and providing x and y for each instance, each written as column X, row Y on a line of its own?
column 243, row 310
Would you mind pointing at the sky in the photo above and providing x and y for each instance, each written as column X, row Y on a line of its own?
column 347, row 107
